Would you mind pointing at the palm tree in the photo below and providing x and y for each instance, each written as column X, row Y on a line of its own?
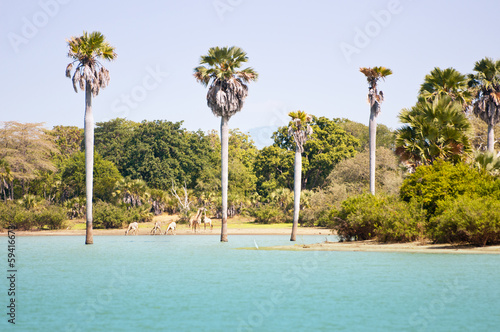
column 90, row 74
column 300, row 130
column 449, row 82
column 375, row 98
column 486, row 84
column 433, row 129
column 488, row 162
column 226, row 93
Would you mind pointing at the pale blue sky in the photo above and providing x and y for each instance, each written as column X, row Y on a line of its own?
column 307, row 53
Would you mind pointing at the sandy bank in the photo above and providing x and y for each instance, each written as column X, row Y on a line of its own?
column 413, row 247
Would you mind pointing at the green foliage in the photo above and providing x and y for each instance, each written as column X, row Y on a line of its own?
column 274, row 169
column 400, row 221
column 27, row 150
column 385, row 136
column 448, row 82
column 161, row 151
column 112, row 138
column 358, row 217
column 68, row 139
column 431, row 184
column 353, row 174
column 329, row 144
column 22, row 218
column 52, row 217
column 267, row 214
column 385, row 218
column 467, row 219
column 105, row 176
column 433, row 130
column 107, row 215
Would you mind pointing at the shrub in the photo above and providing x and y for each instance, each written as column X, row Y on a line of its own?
column 53, row 217
column 431, row 184
column 18, row 217
column 109, row 216
column 358, row 217
column 385, row 218
column 401, row 221
column 267, row 214
column 467, row 219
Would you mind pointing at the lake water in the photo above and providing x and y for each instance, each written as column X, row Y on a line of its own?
column 196, row 283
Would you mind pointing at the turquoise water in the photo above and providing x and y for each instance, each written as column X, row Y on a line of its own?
column 196, row 283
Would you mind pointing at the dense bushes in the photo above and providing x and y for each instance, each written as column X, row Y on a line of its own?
column 19, row 217
column 386, row 218
column 444, row 203
column 111, row 216
column 467, row 219
column 431, row 184
column 267, row 214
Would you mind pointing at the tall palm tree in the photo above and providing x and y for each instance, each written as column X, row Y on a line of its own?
column 375, row 98
column 449, row 82
column 486, row 84
column 90, row 75
column 227, row 91
column 300, row 130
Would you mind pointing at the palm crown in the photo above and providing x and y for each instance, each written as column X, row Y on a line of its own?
column 373, row 75
column 228, row 89
column 446, row 82
column 299, row 128
column 86, row 50
column 486, row 83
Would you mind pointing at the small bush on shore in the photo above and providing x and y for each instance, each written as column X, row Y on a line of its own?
column 52, row 217
column 467, row 219
column 18, row 217
column 107, row 215
column 267, row 214
column 358, row 218
column 385, row 218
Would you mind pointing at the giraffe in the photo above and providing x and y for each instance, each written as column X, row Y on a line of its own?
column 171, row 227
column 195, row 222
column 134, row 227
column 157, row 227
column 206, row 220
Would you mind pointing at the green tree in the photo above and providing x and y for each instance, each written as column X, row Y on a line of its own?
column 225, row 97
column 112, row 139
column 448, row 82
column 68, row 139
column 433, row 130
column 105, row 177
column 273, row 168
column 91, row 76
column 27, row 150
column 486, row 85
column 385, row 135
column 375, row 98
column 160, row 152
column 300, row 130
column 329, row 145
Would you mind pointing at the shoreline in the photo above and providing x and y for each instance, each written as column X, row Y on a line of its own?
column 373, row 246
column 180, row 231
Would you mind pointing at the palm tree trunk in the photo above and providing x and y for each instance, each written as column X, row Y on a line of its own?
column 296, row 192
column 373, row 147
column 491, row 138
column 89, row 160
column 224, row 137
